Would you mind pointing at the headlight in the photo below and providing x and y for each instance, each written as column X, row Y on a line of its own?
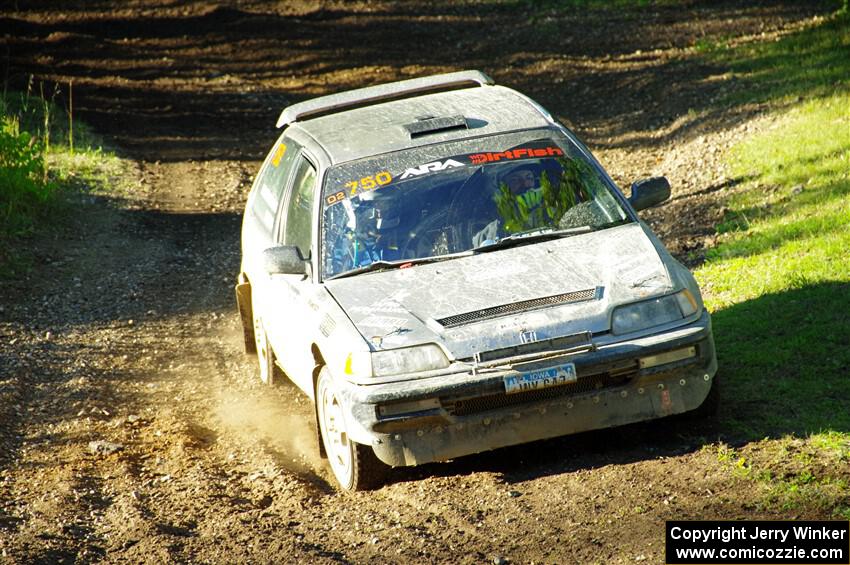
column 408, row 360
column 655, row 312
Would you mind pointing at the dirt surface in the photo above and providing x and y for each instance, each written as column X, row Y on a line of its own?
column 132, row 426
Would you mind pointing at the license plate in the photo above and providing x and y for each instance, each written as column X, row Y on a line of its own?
column 544, row 378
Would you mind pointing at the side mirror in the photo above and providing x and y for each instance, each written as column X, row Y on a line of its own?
column 650, row 192
column 284, row 260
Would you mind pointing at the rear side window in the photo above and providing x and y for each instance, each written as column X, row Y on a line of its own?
column 299, row 214
column 272, row 182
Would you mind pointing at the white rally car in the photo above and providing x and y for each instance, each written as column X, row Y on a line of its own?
column 445, row 269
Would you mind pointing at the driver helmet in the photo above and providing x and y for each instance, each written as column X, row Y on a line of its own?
column 522, row 178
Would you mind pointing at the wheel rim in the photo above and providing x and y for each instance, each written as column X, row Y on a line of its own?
column 262, row 349
column 335, row 436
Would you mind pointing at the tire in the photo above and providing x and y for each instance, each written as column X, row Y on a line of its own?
column 269, row 372
column 354, row 465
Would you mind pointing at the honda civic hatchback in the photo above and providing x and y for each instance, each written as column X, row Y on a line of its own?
column 444, row 269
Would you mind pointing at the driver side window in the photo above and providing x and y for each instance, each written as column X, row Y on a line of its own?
column 298, row 228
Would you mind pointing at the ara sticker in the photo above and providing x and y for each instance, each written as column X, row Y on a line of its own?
column 513, row 154
column 431, row 168
column 278, row 154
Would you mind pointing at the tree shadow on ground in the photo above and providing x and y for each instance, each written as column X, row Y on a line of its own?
column 106, row 272
column 124, row 264
column 210, row 81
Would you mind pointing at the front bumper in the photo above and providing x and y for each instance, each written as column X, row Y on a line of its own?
column 467, row 413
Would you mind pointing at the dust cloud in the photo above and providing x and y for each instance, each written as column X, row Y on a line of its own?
column 280, row 419
column 285, row 429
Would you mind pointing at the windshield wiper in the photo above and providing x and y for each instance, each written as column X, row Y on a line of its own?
column 531, row 236
column 386, row 265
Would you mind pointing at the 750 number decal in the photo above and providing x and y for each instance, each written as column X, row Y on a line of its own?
column 364, row 184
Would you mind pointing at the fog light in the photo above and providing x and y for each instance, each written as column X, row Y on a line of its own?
column 668, row 357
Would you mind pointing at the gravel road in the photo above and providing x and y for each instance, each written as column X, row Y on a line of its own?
column 132, row 426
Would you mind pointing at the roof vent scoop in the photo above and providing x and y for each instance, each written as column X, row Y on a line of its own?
column 431, row 125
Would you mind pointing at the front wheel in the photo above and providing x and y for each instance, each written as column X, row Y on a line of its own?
column 354, row 465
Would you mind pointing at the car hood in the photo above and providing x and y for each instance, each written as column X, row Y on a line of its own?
column 493, row 300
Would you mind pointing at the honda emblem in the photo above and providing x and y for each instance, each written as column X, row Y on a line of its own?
column 527, row 336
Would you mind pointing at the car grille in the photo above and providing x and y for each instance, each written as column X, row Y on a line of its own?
column 581, row 340
column 589, row 383
column 524, row 306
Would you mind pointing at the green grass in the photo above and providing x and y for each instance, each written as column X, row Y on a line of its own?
column 25, row 189
column 792, row 475
column 792, row 218
column 778, row 281
column 812, row 63
column 42, row 164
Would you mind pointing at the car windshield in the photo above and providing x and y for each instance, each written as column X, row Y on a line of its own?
column 423, row 204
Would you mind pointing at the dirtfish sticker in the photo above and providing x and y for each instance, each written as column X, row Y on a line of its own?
column 513, row 154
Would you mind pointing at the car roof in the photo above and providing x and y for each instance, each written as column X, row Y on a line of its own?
column 384, row 127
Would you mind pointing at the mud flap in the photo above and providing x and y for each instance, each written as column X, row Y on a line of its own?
column 243, row 302
column 322, row 452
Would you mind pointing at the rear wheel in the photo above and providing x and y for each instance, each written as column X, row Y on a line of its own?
column 354, row 465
